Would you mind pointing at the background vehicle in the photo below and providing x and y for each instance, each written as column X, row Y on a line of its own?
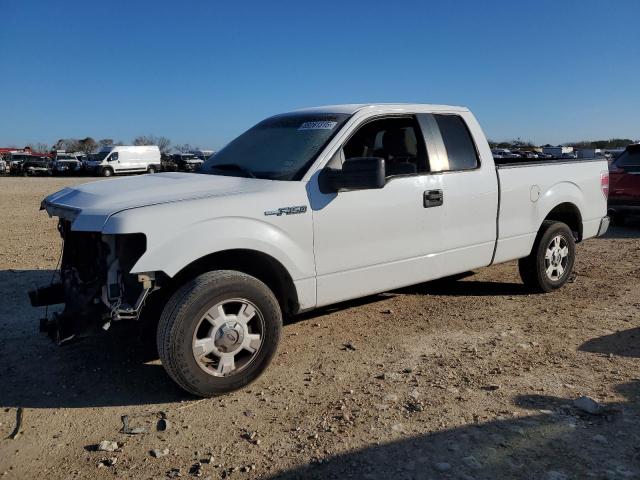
column 624, row 196
column 3, row 166
column 125, row 159
column 303, row 210
column 504, row 153
column 187, row 162
column 167, row 164
column 29, row 165
column 202, row 154
column 66, row 164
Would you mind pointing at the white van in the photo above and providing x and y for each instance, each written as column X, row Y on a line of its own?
column 125, row 159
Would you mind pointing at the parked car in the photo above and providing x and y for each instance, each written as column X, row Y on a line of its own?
column 66, row 164
column 202, row 154
column 187, row 162
column 624, row 196
column 360, row 206
column 29, row 165
column 504, row 153
column 167, row 164
column 14, row 162
column 125, row 159
column 3, row 166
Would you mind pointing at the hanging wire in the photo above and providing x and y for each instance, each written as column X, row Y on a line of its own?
column 53, row 276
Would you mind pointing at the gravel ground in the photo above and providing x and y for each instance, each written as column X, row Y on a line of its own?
column 456, row 379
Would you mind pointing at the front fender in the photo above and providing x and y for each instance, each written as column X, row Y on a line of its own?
column 172, row 254
column 174, row 239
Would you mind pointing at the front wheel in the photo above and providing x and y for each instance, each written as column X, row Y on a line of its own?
column 151, row 169
column 219, row 332
column 550, row 263
column 107, row 172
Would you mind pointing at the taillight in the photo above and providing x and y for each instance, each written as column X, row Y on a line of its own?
column 604, row 183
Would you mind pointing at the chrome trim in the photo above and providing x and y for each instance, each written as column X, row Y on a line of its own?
column 604, row 226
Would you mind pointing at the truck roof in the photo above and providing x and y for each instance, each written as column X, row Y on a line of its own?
column 352, row 108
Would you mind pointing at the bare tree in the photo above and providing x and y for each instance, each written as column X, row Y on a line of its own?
column 105, row 142
column 68, row 145
column 39, row 147
column 163, row 143
column 184, row 148
column 87, row 145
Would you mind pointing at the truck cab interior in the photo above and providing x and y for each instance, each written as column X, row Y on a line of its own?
column 396, row 140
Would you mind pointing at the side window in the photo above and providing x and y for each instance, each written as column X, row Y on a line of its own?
column 458, row 143
column 397, row 140
column 113, row 157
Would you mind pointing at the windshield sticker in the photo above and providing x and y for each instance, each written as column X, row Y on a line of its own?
column 321, row 125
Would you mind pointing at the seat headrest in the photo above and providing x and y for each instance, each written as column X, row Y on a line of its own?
column 394, row 142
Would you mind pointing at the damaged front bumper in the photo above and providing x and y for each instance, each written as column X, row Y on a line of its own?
column 94, row 283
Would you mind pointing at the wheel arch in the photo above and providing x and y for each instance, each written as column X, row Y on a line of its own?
column 568, row 213
column 258, row 264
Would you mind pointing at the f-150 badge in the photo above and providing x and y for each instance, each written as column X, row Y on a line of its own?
column 287, row 211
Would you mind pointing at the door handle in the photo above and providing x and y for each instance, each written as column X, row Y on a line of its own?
column 432, row 198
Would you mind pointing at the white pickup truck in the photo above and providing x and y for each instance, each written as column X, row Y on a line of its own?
column 307, row 209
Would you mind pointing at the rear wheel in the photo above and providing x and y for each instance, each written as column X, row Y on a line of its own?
column 551, row 261
column 219, row 332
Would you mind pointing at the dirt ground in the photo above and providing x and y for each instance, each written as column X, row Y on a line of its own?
column 458, row 379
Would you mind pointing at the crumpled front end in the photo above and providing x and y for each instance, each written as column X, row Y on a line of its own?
column 94, row 283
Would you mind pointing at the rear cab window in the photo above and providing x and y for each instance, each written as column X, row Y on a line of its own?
column 449, row 136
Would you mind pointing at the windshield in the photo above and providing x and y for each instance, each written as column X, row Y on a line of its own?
column 100, row 156
column 278, row 148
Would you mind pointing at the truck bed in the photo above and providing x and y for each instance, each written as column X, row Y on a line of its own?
column 521, row 162
column 529, row 189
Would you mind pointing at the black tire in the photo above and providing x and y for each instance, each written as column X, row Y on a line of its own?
column 151, row 169
column 533, row 269
column 182, row 316
column 106, row 172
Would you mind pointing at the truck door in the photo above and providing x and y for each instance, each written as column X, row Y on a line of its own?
column 368, row 241
column 469, row 193
column 114, row 160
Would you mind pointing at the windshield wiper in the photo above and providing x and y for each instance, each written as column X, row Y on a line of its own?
column 234, row 166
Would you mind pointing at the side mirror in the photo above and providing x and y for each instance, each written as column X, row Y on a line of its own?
column 359, row 173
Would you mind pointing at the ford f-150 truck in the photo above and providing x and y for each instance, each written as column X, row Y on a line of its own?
column 307, row 209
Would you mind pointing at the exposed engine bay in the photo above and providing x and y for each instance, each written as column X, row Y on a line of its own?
column 93, row 283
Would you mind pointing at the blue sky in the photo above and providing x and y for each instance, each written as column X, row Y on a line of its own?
column 201, row 72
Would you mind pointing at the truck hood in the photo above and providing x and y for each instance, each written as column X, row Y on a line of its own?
column 96, row 201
